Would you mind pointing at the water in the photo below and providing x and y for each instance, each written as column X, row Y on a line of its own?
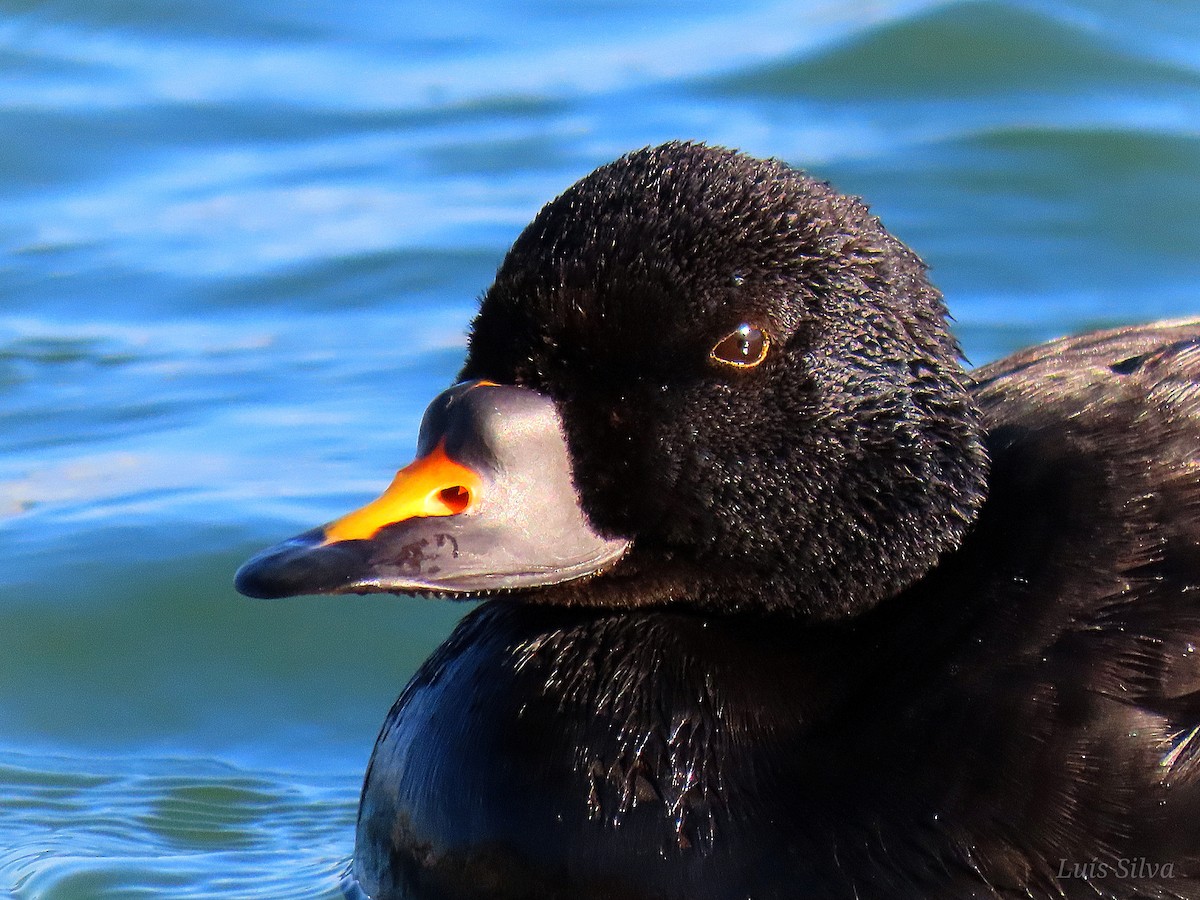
column 241, row 242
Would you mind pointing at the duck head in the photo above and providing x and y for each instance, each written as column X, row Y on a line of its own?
column 700, row 379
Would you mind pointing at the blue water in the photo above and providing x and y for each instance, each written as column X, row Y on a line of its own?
column 239, row 248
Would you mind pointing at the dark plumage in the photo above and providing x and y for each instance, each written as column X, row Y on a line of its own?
column 831, row 476
column 884, row 629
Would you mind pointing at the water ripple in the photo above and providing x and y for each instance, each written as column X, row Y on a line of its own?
column 171, row 828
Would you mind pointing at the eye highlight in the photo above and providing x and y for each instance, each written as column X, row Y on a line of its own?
column 745, row 348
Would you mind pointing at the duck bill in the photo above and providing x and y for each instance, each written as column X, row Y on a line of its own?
column 489, row 505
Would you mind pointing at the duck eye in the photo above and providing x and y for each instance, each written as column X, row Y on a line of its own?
column 745, row 348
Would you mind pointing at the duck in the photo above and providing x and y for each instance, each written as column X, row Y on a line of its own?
column 778, row 599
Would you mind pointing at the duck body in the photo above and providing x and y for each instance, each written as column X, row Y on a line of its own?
column 830, row 617
column 964, row 739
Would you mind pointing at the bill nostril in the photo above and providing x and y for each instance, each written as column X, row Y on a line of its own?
column 456, row 499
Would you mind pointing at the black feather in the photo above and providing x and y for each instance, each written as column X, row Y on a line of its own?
column 846, row 657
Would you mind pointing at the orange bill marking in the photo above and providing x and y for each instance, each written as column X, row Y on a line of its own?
column 432, row 486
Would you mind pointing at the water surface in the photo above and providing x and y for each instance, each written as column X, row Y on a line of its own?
column 241, row 244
